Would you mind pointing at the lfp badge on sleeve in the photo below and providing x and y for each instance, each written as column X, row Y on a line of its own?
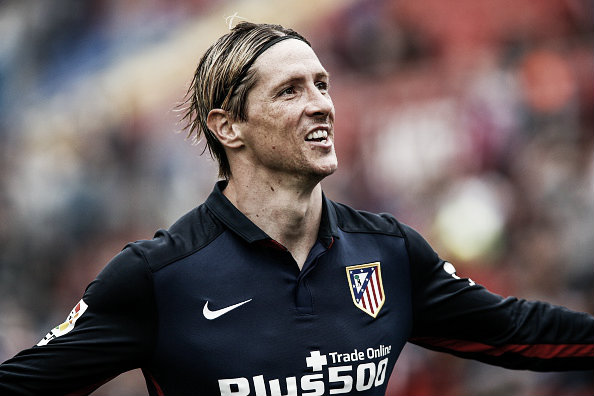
column 365, row 282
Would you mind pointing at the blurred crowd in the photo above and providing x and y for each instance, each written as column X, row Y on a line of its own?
column 472, row 121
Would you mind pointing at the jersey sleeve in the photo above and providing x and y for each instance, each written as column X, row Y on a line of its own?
column 109, row 331
column 458, row 316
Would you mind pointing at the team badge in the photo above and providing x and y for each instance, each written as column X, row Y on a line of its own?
column 67, row 326
column 367, row 290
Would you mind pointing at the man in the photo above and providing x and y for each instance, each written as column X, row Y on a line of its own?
column 269, row 287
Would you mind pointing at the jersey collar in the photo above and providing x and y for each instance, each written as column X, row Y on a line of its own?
column 237, row 222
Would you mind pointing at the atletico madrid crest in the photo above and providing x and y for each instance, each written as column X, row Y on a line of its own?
column 365, row 282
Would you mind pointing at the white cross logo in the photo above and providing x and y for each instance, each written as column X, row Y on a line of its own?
column 316, row 361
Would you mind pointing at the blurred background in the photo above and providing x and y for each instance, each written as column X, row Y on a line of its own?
column 470, row 120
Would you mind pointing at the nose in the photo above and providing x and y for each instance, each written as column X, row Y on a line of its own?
column 319, row 103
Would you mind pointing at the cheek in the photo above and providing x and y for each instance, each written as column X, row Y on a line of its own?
column 285, row 113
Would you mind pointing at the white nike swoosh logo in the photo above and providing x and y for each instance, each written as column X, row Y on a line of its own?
column 210, row 315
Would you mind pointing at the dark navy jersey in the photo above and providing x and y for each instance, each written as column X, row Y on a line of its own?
column 214, row 306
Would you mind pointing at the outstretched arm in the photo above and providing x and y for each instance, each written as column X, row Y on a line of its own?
column 458, row 316
column 108, row 332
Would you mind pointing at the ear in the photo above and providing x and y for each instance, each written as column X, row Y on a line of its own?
column 221, row 124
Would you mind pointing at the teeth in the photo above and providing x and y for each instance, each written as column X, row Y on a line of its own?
column 317, row 135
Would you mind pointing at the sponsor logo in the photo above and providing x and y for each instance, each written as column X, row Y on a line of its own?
column 67, row 326
column 332, row 373
column 450, row 269
column 210, row 315
column 367, row 289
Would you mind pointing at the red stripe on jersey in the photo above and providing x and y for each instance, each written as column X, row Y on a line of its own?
column 371, row 292
column 368, row 304
column 155, row 383
column 541, row 351
column 378, row 282
column 371, row 304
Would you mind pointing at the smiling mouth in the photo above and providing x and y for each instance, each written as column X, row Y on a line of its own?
column 317, row 136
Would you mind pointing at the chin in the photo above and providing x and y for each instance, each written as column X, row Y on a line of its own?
column 325, row 170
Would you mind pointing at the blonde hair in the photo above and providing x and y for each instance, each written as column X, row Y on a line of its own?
column 223, row 79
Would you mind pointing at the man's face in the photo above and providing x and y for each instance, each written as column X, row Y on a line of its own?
column 290, row 116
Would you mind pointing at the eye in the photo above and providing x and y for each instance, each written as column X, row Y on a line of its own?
column 322, row 86
column 288, row 91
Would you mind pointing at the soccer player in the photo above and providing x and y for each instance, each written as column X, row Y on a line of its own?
column 271, row 288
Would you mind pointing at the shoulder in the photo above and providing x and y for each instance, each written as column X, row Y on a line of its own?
column 128, row 279
column 193, row 231
column 353, row 220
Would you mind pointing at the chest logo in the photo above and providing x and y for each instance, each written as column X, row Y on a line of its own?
column 367, row 289
column 210, row 314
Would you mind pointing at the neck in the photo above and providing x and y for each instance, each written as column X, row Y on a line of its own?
column 288, row 214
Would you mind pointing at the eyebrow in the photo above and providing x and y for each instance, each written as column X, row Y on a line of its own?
column 299, row 78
